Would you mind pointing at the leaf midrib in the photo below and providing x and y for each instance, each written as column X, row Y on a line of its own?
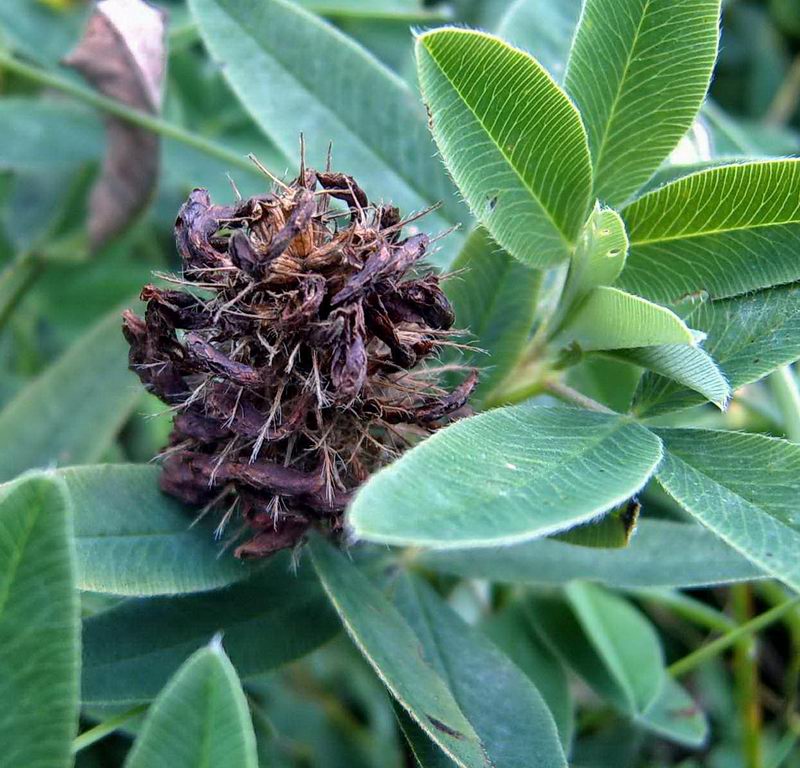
column 618, row 96
column 208, row 720
column 720, row 231
column 16, row 558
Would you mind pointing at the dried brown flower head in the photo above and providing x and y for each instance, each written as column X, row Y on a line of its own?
column 291, row 355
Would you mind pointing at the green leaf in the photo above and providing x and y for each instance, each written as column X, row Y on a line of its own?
column 299, row 724
column 543, row 28
column 510, row 630
column 606, row 380
column 553, row 619
column 132, row 539
column 393, row 650
column 271, row 619
column 612, row 531
column 511, row 139
column 39, row 626
column 494, row 298
column 691, row 366
column 599, row 257
column 384, row 9
column 297, row 74
column 426, row 753
column 199, row 719
column 660, row 553
column 667, row 174
column 44, row 136
column 720, row 233
column 747, row 138
column 72, row 411
column 675, row 716
column 744, row 488
column 639, row 71
column 614, row 648
column 749, row 336
column 626, row 643
column 44, row 213
column 609, row 318
column 43, row 32
column 506, row 476
column 506, row 710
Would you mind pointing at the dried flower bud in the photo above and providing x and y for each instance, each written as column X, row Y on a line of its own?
column 291, row 354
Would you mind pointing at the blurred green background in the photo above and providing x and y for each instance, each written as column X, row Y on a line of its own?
column 328, row 710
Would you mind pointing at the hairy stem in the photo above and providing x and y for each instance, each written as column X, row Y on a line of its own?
column 569, row 395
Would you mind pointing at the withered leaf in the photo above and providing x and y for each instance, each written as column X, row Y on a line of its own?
column 123, row 55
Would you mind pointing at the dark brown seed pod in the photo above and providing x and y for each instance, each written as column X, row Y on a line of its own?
column 298, row 354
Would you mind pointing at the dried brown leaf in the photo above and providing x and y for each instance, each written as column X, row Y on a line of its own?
column 123, row 55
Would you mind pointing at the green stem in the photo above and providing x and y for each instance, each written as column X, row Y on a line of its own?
column 15, row 281
column 128, row 114
column 532, row 381
column 774, row 594
column 783, row 384
column 715, row 647
column 525, row 383
column 685, row 607
column 101, row 730
column 760, row 418
column 745, row 673
column 784, row 105
column 783, row 749
column 569, row 395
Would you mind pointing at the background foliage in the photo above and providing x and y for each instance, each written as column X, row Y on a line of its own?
column 121, row 626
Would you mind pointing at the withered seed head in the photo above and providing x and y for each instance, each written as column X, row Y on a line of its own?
column 291, row 355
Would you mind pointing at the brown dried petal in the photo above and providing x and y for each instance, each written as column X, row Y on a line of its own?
column 305, row 206
column 438, row 408
column 180, row 310
column 284, row 534
column 344, row 188
column 265, row 475
column 349, row 359
column 305, row 307
column 422, row 302
column 148, row 360
column 216, row 362
column 242, row 253
column 379, row 323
